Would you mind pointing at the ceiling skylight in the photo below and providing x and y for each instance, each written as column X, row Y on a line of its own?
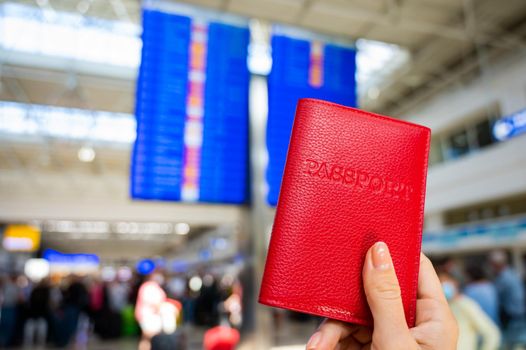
column 51, row 33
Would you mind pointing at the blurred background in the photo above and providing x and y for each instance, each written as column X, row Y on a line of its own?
column 142, row 146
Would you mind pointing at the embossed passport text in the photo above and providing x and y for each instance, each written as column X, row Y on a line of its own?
column 352, row 178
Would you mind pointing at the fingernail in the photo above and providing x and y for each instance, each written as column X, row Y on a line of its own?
column 314, row 341
column 381, row 260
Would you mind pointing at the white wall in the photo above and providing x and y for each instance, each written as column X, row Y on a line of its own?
column 494, row 172
column 505, row 85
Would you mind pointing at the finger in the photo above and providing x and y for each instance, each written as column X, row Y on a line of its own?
column 437, row 334
column 429, row 310
column 429, row 286
column 348, row 343
column 435, row 324
column 383, row 292
column 429, row 314
column 329, row 334
column 363, row 335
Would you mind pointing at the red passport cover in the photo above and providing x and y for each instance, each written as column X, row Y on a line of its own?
column 351, row 178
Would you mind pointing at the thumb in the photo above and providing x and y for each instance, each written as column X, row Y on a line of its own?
column 383, row 293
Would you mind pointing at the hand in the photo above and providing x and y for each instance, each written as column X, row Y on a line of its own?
column 436, row 327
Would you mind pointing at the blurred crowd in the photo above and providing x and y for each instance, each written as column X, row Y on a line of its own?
column 69, row 310
column 487, row 297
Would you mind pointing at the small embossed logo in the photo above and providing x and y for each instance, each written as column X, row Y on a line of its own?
column 358, row 179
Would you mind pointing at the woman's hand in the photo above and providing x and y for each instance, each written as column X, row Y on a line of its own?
column 436, row 328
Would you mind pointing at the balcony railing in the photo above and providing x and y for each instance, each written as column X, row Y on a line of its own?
column 480, row 235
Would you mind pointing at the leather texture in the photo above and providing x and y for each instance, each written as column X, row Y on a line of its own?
column 351, row 178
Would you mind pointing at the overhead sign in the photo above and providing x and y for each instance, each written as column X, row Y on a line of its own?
column 21, row 238
column 192, row 111
column 70, row 262
column 302, row 68
column 510, row 126
column 145, row 266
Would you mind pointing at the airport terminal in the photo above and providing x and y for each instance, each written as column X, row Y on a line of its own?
column 143, row 146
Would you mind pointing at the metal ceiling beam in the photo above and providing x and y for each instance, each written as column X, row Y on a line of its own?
column 449, row 77
column 61, row 77
column 424, row 63
column 120, row 10
column 453, row 31
column 305, row 7
column 384, row 19
column 20, row 169
column 485, row 47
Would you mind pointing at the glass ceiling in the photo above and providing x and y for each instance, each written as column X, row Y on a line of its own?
column 45, row 32
column 66, row 123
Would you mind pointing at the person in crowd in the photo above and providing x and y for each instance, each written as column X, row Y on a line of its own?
column 117, row 295
column 206, row 306
column 150, row 298
column 96, row 296
column 107, row 321
column 481, row 290
column 224, row 336
column 38, row 315
column 452, row 267
column 233, row 302
column 189, row 301
column 473, row 323
column 55, row 296
column 10, row 294
column 512, row 301
column 75, row 303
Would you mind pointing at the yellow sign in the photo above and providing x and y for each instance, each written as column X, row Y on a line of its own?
column 21, row 238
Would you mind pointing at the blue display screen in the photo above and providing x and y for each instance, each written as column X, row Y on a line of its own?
column 56, row 257
column 302, row 69
column 192, row 111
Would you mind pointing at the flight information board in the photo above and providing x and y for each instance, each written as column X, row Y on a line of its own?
column 300, row 69
column 192, row 111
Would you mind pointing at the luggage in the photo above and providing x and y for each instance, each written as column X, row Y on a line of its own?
column 108, row 324
column 173, row 341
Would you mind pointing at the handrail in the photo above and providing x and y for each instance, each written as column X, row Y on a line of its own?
column 508, row 226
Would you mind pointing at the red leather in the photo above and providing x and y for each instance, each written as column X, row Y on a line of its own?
column 352, row 178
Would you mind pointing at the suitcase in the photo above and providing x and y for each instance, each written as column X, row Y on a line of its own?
column 173, row 341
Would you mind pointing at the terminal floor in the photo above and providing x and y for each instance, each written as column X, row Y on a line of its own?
column 288, row 336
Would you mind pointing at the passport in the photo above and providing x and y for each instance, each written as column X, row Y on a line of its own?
column 351, row 178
